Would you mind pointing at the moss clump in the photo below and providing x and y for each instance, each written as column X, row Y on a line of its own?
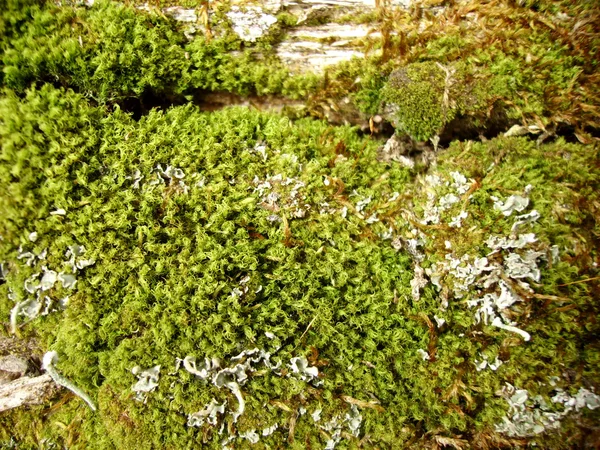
column 513, row 64
column 169, row 294
column 111, row 53
column 107, row 52
column 223, row 65
column 213, row 234
column 419, row 100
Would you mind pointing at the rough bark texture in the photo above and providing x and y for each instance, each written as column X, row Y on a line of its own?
column 20, row 384
column 311, row 47
column 26, row 391
column 11, row 368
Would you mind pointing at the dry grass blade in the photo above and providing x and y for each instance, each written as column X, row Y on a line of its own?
column 362, row 403
column 458, row 444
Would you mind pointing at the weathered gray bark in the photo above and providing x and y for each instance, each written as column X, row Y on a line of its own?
column 11, row 368
column 26, row 391
column 19, row 385
column 306, row 48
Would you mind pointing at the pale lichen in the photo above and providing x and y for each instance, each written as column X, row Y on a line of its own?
column 147, row 381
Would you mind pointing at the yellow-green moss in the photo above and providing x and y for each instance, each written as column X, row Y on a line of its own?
column 416, row 96
column 333, row 288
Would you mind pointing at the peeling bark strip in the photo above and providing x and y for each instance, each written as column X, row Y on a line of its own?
column 314, row 48
column 26, row 391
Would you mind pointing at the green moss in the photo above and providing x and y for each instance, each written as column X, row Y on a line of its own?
column 111, row 53
column 564, row 179
column 327, row 283
column 107, row 52
column 216, row 68
column 140, row 317
column 416, row 95
column 370, row 17
column 446, row 48
column 523, row 80
column 287, row 19
column 167, row 262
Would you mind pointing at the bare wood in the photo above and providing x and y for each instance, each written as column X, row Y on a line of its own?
column 26, row 391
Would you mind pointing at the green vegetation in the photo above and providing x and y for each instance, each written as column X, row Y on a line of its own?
column 107, row 52
column 110, row 53
column 412, row 297
column 533, row 63
column 417, row 93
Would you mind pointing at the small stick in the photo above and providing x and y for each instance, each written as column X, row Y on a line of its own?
column 580, row 281
column 308, row 327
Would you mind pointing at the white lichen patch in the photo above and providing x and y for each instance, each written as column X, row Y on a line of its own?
column 68, row 280
column 48, row 364
column 231, row 377
column 29, row 257
column 497, row 322
column 485, row 363
column 278, row 193
column 487, row 282
column 251, row 436
column 418, row 282
column 48, row 279
column 513, row 203
column 447, row 201
column 299, row 366
column 463, row 272
column 354, row 419
column 170, row 176
column 362, row 204
column 443, row 195
column 316, row 415
column 251, row 23
column 372, row 219
column 203, row 369
column 460, row 183
column 583, row 399
column 269, row 430
column 335, row 427
column 40, row 286
column 423, row 354
column 209, row 414
column 137, row 178
column 147, row 381
column 76, row 261
column 518, row 266
column 530, row 416
column 439, row 321
column 497, row 243
column 524, row 219
column 456, row 221
column 261, row 149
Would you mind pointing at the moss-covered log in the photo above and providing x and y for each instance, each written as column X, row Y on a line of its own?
column 249, row 279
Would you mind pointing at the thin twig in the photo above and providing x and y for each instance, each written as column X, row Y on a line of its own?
column 580, row 281
column 308, row 327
